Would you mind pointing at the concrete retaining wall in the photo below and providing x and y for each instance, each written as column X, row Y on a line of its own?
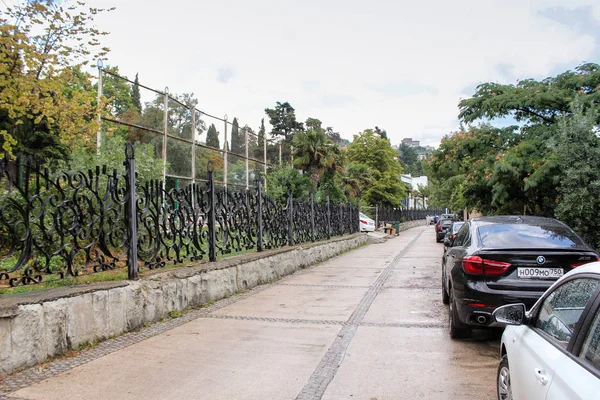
column 411, row 224
column 39, row 325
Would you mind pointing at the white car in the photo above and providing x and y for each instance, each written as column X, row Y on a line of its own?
column 553, row 351
column 366, row 223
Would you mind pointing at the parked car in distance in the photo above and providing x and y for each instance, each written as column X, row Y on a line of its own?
column 451, row 234
column 441, row 228
column 430, row 219
column 505, row 259
column 366, row 223
column 553, row 351
column 449, row 216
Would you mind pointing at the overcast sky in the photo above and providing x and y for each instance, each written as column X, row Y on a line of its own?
column 400, row 65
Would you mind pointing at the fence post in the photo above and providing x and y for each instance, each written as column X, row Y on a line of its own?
column 131, row 213
column 212, row 236
column 328, row 218
column 312, row 217
column 225, row 152
column 165, row 128
column 290, row 219
column 265, row 158
column 341, row 224
column 99, row 101
column 246, row 153
column 259, row 221
column 376, row 217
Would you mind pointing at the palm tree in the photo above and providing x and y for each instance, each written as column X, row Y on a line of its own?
column 357, row 177
column 315, row 153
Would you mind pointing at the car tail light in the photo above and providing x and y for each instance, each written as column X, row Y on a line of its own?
column 362, row 221
column 575, row 265
column 439, row 227
column 454, row 236
column 476, row 265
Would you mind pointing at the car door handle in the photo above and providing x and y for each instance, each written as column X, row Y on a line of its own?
column 541, row 376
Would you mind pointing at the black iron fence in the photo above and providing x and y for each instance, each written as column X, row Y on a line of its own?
column 54, row 226
column 396, row 215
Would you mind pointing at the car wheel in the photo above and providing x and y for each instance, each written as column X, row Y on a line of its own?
column 504, row 389
column 458, row 329
column 445, row 297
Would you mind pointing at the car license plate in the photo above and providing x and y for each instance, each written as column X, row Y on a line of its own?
column 535, row 272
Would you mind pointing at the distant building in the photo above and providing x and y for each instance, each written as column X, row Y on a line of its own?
column 413, row 182
column 411, row 142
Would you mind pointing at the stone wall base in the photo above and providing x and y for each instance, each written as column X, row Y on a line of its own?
column 39, row 325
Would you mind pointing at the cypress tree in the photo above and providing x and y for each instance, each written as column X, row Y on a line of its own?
column 259, row 151
column 212, row 137
column 135, row 94
column 237, row 138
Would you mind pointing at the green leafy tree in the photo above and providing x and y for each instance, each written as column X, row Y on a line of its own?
column 381, row 132
column 409, row 159
column 335, row 137
column 47, row 105
column 118, row 93
column 577, row 152
column 536, row 102
column 282, row 180
column 283, row 120
column 112, row 153
column 179, row 123
column 212, row 137
column 372, row 150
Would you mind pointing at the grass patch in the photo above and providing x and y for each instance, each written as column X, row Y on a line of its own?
column 54, row 281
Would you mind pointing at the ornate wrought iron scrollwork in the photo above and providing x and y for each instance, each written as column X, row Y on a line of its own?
column 66, row 224
column 321, row 225
column 59, row 225
column 274, row 224
column 172, row 225
column 235, row 220
column 301, row 222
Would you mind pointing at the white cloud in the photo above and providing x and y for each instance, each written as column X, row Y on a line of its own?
column 334, row 59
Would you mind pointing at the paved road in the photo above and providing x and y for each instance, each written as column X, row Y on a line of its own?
column 366, row 325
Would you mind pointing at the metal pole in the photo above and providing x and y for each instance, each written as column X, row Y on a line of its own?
column 225, row 154
column 165, row 125
column 212, row 236
column 247, row 165
column 132, row 254
column 328, row 218
column 193, row 145
column 259, row 220
column 290, row 220
column 280, row 154
column 265, row 157
column 193, row 155
column 99, row 134
column 312, row 217
column 376, row 217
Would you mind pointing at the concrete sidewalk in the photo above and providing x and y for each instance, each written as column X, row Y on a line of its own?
column 365, row 325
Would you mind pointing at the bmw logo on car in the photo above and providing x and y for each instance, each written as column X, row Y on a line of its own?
column 541, row 260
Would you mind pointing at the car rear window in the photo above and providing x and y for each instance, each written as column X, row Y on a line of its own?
column 446, row 222
column 528, row 236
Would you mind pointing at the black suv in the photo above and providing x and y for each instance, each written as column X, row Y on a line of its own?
column 505, row 259
column 441, row 228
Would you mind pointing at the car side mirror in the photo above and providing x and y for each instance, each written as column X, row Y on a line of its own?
column 447, row 242
column 510, row 314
